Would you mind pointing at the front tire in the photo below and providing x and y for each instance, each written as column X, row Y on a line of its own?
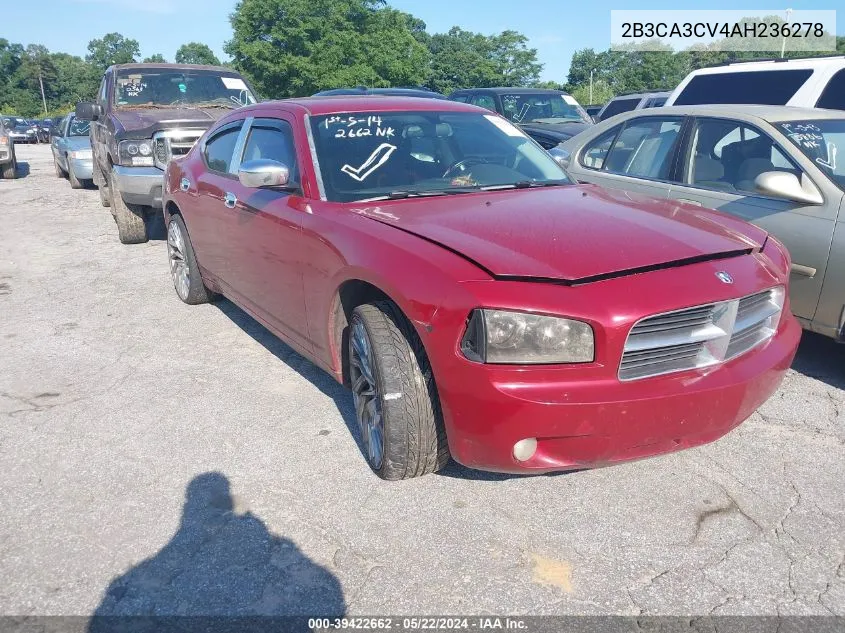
column 60, row 173
column 10, row 169
column 131, row 228
column 394, row 393
column 184, row 269
column 75, row 183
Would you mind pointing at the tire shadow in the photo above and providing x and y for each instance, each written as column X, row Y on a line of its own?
column 221, row 571
column 22, row 170
column 339, row 394
column 821, row 358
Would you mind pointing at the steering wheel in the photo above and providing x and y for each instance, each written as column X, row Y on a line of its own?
column 462, row 166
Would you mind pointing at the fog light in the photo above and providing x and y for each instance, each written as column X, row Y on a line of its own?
column 524, row 450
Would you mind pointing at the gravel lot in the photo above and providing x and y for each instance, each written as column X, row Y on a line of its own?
column 158, row 457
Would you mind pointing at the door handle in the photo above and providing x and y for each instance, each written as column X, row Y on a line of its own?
column 692, row 202
column 184, row 184
column 230, row 200
column 806, row 271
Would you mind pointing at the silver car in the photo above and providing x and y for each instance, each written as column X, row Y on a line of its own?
column 71, row 147
column 775, row 166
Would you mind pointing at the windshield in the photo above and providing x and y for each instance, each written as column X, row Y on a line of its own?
column 522, row 107
column 820, row 141
column 164, row 87
column 371, row 154
column 78, row 127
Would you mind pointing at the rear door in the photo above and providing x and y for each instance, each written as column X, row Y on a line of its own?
column 636, row 156
column 210, row 218
column 720, row 164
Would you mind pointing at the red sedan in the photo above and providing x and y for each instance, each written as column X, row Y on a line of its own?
column 437, row 261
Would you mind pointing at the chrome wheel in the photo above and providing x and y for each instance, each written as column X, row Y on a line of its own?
column 365, row 394
column 178, row 264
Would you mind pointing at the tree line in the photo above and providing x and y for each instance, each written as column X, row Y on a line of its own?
column 297, row 47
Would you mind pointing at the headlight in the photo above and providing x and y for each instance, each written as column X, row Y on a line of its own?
column 81, row 154
column 499, row 336
column 4, row 140
column 136, row 153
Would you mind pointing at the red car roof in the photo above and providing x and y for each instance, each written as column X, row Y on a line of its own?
column 375, row 103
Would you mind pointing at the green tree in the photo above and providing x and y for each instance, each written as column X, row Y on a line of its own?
column 196, row 53
column 463, row 59
column 112, row 48
column 155, row 58
column 297, row 47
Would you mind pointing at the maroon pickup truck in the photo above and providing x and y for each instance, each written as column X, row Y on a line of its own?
column 144, row 115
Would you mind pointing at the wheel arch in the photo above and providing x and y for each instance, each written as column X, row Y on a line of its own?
column 350, row 294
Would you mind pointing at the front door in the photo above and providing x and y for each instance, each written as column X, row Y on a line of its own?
column 724, row 158
column 266, row 230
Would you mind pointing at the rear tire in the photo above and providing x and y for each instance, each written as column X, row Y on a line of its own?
column 184, row 269
column 392, row 380
column 131, row 228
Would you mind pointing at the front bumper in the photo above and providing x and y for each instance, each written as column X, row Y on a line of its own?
column 139, row 185
column 5, row 153
column 587, row 424
column 82, row 168
column 582, row 415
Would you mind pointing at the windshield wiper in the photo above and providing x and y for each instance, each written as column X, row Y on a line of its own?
column 211, row 104
column 527, row 184
column 401, row 195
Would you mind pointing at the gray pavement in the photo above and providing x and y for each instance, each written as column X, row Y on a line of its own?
column 162, row 458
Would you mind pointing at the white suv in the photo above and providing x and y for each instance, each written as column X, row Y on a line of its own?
column 809, row 82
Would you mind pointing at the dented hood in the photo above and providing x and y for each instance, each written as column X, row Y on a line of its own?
column 571, row 233
column 140, row 123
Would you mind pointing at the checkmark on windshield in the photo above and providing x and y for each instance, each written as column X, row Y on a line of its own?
column 374, row 161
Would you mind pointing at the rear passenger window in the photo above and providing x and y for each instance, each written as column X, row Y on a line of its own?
column 219, row 150
column 618, row 106
column 596, row 152
column 766, row 87
column 645, row 148
column 833, row 96
column 272, row 142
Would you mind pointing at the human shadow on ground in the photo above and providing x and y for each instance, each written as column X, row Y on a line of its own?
column 220, row 571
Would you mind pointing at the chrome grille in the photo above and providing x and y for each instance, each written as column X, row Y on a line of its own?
column 173, row 144
column 699, row 336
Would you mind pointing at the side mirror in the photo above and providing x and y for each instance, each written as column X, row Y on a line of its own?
column 785, row 184
column 88, row 111
column 263, row 173
column 561, row 156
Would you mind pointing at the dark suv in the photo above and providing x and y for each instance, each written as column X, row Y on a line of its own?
column 548, row 116
column 144, row 115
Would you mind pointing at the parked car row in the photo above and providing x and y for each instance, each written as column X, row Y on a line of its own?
column 476, row 299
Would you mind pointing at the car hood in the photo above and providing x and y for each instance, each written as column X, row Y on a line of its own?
column 138, row 123
column 575, row 233
column 561, row 127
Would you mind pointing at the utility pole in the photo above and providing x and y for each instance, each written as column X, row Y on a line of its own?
column 591, row 87
column 783, row 43
column 43, row 98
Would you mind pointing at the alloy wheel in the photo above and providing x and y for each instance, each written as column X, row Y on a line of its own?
column 178, row 264
column 366, row 396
